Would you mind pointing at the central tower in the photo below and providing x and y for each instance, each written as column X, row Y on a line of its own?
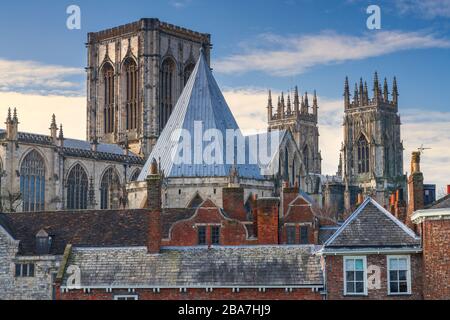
column 135, row 75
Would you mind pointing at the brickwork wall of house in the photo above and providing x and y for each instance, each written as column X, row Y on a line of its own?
column 8, row 250
column 197, row 294
column 436, row 251
column 335, row 279
column 185, row 233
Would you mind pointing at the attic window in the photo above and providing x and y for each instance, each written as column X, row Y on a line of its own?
column 43, row 243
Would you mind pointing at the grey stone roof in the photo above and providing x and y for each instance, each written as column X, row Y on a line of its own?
column 442, row 203
column 80, row 148
column 372, row 226
column 265, row 266
column 201, row 102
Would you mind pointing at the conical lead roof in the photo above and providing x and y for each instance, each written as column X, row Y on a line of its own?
column 201, row 105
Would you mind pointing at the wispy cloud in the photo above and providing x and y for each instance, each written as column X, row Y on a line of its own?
column 179, row 4
column 285, row 56
column 428, row 9
column 429, row 128
column 35, row 77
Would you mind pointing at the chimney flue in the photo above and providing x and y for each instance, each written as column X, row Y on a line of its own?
column 448, row 189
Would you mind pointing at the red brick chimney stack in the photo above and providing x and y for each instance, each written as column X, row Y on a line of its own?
column 289, row 194
column 448, row 189
column 233, row 203
column 267, row 221
column 415, row 189
column 154, row 205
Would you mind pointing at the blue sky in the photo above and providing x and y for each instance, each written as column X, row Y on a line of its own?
column 320, row 42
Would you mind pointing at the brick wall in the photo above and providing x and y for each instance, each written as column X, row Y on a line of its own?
column 233, row 203
column 185, row 233
column 436, row 257
column 267, row 221
column 335, row 279
column 197, row 294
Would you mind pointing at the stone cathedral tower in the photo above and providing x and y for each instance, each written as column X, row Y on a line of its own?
column 135, row 75
column 372, row 152
column 297, row 115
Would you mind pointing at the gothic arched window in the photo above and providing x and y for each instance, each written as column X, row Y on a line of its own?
column 108, row 110
column 110, row 184
column 286, row 164
column 306, row 158
column 135, row 175
column 131, row 103
column 77, row 188
column 187, row 72
column 363, row 155
column 32, row 182
column 167, row 91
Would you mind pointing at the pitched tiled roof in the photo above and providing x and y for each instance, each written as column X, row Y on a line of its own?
column 442, row 203
column 198, row 267
column 201, row 102
column 86, row 228
column 371, row 226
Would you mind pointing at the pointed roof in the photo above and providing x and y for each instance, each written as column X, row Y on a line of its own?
column 200, row 102
column 372, row 227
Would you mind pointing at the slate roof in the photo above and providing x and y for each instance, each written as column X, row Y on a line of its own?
column 371, row 226
column 106, row 228
column 256, row 266
column 80, row 148
column 442, row 203
column 201, row 101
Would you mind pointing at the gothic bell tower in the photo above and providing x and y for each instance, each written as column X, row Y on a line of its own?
column 301, row 118
column 372, row 152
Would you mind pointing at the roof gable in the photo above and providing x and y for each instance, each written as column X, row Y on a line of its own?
column 372, row 226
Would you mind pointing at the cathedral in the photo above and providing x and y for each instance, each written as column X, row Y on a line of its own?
column 371, row 159
column 148, row 81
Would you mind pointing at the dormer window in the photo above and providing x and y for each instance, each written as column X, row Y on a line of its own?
column 43, row 243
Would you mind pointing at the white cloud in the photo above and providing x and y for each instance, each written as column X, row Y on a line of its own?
column 429, row 128
column 179, row 4
column 428, row 9
column 38, row 78
column 285, row 56
column 35, row 112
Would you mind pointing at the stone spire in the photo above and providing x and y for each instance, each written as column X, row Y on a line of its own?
column 385, row 91
column 366, row 94
column 306, row 102
column 54, row 129
column 289, row 106
column 315, row 104
column 279, row 108
column 270, row 107
column 395, row 92
column 362, row 99
column 61, row 136
column 356, row 96
column 12, row 125
column 296, row 101
column 376, row 88
column 283, row 106
column 346, row 94
column 9, row 118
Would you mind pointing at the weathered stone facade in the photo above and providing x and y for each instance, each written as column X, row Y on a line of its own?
column 372, row 152
column 301, row 120
column 151, row 45
column 57, row 157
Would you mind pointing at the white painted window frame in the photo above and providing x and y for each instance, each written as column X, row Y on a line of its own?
column 364, row 259
column 408, row 275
